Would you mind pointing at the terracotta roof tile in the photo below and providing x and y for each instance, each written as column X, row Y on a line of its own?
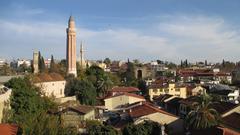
column 124, row 89
column 232, row 121
column 126, row 94
column 146, row 109
column 48, row 77
column 8, row 129
column 83, row 108
column 223, row 107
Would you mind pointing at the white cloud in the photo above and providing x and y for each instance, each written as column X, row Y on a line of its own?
column 201, row 37
column 191, row 37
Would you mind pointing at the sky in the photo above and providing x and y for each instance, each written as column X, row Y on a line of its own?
column 169, row 30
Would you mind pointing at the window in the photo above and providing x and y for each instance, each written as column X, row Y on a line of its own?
column 155, row 90
column 166, row 90
column 52, row 84
column 61, row 91
column 177, row 89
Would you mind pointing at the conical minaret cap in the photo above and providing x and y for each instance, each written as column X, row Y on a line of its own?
column 71, row 18
column 71, row 23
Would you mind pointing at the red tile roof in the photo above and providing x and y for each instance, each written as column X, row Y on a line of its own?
column 126, row 94
column 8, row 129
column 124, row 89
column 232, row 121
column 48, row 77
column 187, row 73
column 146, row 109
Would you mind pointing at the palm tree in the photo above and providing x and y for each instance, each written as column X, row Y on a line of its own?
column 202, row 116
column 105, row 83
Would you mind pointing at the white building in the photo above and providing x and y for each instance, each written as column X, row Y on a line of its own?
column 51, row 84
column 47, row 62
column 2, row 62
column 234, row 97
column 23, row 61
column 118, row 101
column 158, row 67
column 5, row 94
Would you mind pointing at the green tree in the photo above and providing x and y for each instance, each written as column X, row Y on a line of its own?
column 41, row 63
column 53, row 66
column 142, row 86
column 24, row 68
column 128, row 76
column 43, row 67
column 96, row 128
column 83, row 89
column 80, row 71
column 62, row 66
column 85, row 92
column 202, row 116
column 116, row 80
column 100, row 79
column 107, row 61
column 145, row 128
column 27, row 104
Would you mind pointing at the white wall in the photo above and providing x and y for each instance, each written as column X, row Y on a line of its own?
column 55, row 88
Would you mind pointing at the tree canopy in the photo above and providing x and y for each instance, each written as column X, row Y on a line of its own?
column 145, row 128
column 202, row 116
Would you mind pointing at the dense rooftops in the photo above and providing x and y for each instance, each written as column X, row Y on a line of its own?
column 146, row 109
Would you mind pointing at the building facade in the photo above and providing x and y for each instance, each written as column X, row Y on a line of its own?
column 118, row 101
column 171, row 89
column 5, row 94
column 51, row 84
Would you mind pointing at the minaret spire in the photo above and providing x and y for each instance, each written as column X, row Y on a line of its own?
column 82, row 61
column 71, row 47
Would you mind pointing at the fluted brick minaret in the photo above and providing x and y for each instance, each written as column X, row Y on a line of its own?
column 71, row 47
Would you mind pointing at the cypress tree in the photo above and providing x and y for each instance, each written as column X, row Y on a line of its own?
column 52, row 65
column 39, row 61
column 42, row 68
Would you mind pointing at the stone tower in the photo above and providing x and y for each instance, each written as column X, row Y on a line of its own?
column 71, row 47
column 35, row 62
column 82, row 61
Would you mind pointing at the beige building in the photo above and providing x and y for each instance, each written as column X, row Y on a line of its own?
column 198, row 90
column 171, row 89
column 5, row 94
column 51, row 84
column 71, row 47
column 102, row 65
column 75, row 115
column 118, row 101
column 146, row 111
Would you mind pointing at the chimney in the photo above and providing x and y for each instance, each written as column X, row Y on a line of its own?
column 163, row 130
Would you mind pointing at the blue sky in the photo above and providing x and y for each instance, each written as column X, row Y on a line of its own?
column 136, row 29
